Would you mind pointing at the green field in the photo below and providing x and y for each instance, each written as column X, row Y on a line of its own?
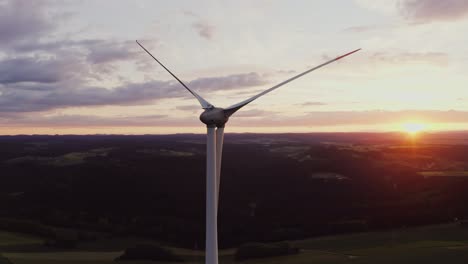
column 8, row 238
column 434, row 244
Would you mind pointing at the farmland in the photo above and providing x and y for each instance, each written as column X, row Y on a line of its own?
column 431, row 244
column 85, row 194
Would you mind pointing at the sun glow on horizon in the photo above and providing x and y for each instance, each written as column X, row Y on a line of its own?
column 414, row 128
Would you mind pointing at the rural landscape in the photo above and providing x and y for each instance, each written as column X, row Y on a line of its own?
column 328, row 197
column 225, row 132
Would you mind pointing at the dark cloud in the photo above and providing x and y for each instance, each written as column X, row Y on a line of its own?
column 35, row 54
column 65, row 60
column 229, row 82
column 95, row 51
column 204, row 29
column 70, row 61
column 38, row 70
column 422, row 11
column 98, row 121
column 23, row 20
column 82, row 120
column 42, row 46
column 27, row 97
column 40, row 73
column 104, row 56
column 15, row 99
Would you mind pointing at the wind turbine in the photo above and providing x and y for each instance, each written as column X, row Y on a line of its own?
column 215, row 119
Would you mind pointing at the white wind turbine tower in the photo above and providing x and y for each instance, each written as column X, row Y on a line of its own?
column 215, row 118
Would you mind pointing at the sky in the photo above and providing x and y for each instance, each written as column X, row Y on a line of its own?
column 73, row 67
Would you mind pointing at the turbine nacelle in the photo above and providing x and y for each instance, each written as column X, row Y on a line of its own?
column 214, row 116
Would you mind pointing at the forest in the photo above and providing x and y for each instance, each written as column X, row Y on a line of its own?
column 274, row 187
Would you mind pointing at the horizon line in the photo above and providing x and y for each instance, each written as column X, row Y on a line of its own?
column 240, row 133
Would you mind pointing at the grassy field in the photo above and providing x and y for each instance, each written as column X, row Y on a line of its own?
column 434, row 244
column 8, row 238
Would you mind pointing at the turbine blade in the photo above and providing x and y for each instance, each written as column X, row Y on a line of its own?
column 205, row 104
column 233, row 108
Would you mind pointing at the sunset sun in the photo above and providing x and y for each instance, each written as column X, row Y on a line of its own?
column 414, row 128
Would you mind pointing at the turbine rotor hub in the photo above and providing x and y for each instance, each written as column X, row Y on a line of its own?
column 214, row 117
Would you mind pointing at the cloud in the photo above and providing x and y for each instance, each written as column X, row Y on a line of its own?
column 243, row 118
column 313, row 104
column 46, row 97
column 40, row 73
column 254, row 113
column 359, row 29
column 229, row 82
column 65, row 60
column 286, row 71
column 374, row 117
column 435, row 58
column 82, row 120
column 96, row 51
column 422, row 11
column 110, row 51
column 204, row 29
column 34, row 69
column 35, row 51
column 189, row 13
column 23, row 20
column 399, row 58
column 58, row 121
column 189, row 108
column 27, row 97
